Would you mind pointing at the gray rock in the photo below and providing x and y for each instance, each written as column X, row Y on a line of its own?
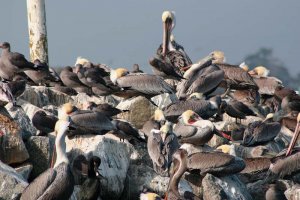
column 140, row 110
column 42, row 96
column 24, row 170
column 12, row 184
column 12, row 147
column 39, row 149
column 82, row 98
column 21, row 117
column 216, row 141
column 115, row 158
column 226, row 187
column 162, row 100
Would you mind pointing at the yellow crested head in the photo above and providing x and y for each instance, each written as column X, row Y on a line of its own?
column 270, row 116
column 81, row 61
column 167, row 14
column 65, row 111
column 159, row 115
column 117, row 73
column 260, row 71
column 224, row 148
column 190, row 117
column 218, row 56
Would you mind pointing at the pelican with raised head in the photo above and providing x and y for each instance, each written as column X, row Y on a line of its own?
column 57, row 182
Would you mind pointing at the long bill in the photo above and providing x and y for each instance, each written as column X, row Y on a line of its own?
column 294, row 140
column 166, row 36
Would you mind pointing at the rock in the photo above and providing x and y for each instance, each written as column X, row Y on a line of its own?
column 42, row 96
column 140, row 110
column 21, row 117
column 12, row 147
column 39, row 149
column 115, row 158
column 12, row 184
column 163, row 100
column 82, row 98
column 226, row 187
column 24, row 170
column 216, row 141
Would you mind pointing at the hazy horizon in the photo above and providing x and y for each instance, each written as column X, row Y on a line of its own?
column 131, row 32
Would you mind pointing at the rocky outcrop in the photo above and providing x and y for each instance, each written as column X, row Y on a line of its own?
column 39, row 150
column 12, row 147
column 25, row 170
column 115, row 158
column 140, row 108
column 11, row 183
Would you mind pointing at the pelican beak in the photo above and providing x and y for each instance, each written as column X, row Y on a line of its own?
column 166, row 35
column 294, row 140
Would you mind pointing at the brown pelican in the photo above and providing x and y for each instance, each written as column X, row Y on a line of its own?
column 104, row 108
column 140, row 84
column 65, row 89
column 259, row 71
column 90, row 189
column 172, row 53
column 43, row 123
column 164, row 69
column 204, row 108
column 276, row 191
column 70, row 79
column 290, row 103
column 295, row 137
column 193, row 130
column 236, row 78
column 216, row 163
column 248, row 97
column 237, row 109
column 57, row 182
column 281, row 92
column 261, row 131
column 155, row 122
column 12, row 62
column 80, row 60
column 84, row 121
column 161, row 145
column 289, row 120
column 201, row 77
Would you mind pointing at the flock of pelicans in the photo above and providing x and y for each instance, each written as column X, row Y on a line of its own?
column 176, row 136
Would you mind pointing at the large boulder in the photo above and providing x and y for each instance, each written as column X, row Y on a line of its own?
column 12, row 147
column 25, row 170
column 83, row 98
column 115, row 158
column 39, row 149
column 226, row 187
column 140, row 108
column 21, row 117
column 41, row 96
column 12, row 184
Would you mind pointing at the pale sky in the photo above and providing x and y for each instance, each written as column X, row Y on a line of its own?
column 121, row 33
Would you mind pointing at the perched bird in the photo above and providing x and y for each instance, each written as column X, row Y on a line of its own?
column 90, row 189
column 204, row 108
column 156, row 121
column 57, row 182
column 149, row 196
column 70, row 79
column 172, row 53
column 161, row 145
column 261, row 131
column 42, row 76
column 84, row 121
column 43, row 123
column 126, row 131
column 259, row 71
column 193, row 130
column 237, row 109
column 12, row 63
column 164, row 69
column 140, row 84
column 104, row 108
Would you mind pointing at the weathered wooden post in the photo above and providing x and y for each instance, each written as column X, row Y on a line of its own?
column 37, row 30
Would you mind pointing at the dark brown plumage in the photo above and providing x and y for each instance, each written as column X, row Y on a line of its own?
column 105, row 108
column 44, row 123
column 237, row 109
